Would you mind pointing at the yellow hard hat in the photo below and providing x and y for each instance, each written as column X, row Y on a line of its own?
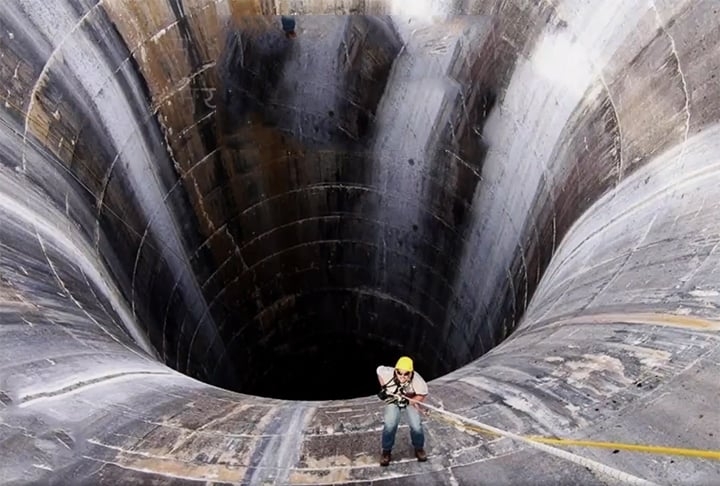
column 404, row 364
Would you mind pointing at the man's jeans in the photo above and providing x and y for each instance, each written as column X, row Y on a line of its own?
column 391, row 422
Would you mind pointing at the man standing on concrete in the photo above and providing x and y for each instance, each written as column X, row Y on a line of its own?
column 402, row 389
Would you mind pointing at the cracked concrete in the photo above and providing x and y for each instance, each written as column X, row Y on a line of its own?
column 211, row 234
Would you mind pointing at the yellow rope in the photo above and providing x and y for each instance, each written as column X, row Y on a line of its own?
column 650, row 449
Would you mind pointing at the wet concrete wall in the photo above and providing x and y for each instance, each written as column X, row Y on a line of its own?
column 184, row 189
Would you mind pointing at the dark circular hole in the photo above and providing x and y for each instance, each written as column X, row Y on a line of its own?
column 314, row 273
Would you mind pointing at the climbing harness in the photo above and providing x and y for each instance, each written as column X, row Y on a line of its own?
column 397, row 396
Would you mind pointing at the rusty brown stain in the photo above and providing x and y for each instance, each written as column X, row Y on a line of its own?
column 138, row 21
column 157, row 46
column 207, row 23
column 241, row 8
column 648, row 318
column 16, row 75
column 340, row 461
column 325, row 476
column 151, row 32
column 185, row 470
column 59, row 128
column 159, row 50
column 10, row 297
column 274, row 148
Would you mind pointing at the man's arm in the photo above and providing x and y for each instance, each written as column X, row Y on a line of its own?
column 421, row 391
column 416, row 400
column 379, row 373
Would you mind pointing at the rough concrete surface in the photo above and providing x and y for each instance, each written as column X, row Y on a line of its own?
column 211, row 234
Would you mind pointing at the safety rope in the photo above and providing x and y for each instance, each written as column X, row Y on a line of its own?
column 651, row 449
column 538, row 444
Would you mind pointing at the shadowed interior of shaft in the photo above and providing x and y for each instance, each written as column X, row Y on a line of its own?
column 332, row 248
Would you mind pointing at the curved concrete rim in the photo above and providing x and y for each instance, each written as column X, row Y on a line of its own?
column 598, row 186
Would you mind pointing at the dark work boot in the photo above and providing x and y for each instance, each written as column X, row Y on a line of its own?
column 385, row 458
column 421, row 455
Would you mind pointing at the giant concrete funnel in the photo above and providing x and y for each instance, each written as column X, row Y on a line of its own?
column 212, row 232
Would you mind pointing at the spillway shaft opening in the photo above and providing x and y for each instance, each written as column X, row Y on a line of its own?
column 328, row 181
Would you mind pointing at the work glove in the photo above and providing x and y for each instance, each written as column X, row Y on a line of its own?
column 382, row 394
